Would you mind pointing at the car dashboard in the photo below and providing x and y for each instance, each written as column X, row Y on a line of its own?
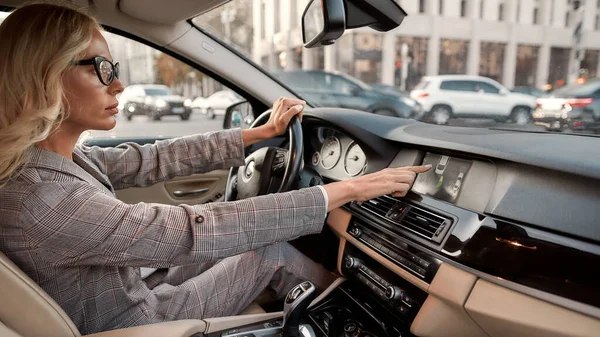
column 477, row 235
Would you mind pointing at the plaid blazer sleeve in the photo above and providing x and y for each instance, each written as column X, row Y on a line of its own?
column 133, row 165
column 74, row 223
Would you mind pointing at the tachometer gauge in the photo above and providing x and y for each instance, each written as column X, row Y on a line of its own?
column 355, row 160
column 331, row 152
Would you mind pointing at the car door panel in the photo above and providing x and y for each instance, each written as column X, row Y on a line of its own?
column 191, row 190
column 208, row 187
column 490, row 102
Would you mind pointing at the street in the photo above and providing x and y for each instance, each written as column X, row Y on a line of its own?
column 168, row 126
column 172, row 126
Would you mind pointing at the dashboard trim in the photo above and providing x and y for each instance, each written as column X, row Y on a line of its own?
column 585, row 309
column 340, row 226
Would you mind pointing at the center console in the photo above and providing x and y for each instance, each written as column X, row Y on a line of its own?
column 371, row 302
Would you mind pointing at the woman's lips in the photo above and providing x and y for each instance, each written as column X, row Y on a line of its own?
column 113, row 108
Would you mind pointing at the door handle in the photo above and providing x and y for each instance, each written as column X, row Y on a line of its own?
column 187, row 193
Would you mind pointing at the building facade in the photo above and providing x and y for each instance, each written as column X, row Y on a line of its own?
column 516, row 42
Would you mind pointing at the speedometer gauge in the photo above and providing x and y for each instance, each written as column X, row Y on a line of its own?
column 355, row 160
column 331, row 152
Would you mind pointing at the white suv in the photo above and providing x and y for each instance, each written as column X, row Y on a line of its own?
column 462, row 96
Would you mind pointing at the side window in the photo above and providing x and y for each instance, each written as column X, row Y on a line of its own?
column 163, row 97
column 486, row 87
column 596, row 94
column 457, row 86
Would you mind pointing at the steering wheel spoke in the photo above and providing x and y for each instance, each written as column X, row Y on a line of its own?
column 268, row 169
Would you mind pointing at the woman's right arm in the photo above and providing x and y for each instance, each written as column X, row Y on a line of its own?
column 74, row 223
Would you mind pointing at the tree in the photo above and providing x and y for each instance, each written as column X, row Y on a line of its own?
column 170, row 71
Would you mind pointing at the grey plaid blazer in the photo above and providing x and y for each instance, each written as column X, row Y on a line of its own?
column 62, row 225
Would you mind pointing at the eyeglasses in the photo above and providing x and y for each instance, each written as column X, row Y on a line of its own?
column 106, row 70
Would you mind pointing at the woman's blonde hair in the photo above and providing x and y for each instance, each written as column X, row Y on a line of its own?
column 39, row 41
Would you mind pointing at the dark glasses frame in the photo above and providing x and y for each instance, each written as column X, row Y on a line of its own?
column 96, row 61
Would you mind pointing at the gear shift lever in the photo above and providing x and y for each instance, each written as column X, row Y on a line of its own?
column 295, row 305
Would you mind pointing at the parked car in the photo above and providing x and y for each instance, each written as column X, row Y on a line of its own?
column 530, row 91
column 154, row 101
column 574, row 107
column 216, row 104
column 450, row 96
column 336, row 89
column 389, row 89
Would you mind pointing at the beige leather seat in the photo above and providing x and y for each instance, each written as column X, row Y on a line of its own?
column 27, row 310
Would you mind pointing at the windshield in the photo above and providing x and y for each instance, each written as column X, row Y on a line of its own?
column 463, row 47
column 157, row 91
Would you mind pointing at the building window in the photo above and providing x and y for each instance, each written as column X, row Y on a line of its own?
column 526, row 70
column 568, row 19
column 415, row 62
column 536, row 16
column 441, row 7
column 367, row 57
column 491, row 60
column 421, row 6
column 597, row 22
column 589, row 65
column 463, row 8
column 501, row 12
column 453, row 57
column 559, row 67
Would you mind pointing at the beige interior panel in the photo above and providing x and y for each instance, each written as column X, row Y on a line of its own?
column 225, row 323
column 27, row 309
column 327, row 291
column 338, row 221
column 443, row 313
column 6, row 332
column 183, row 328
column 504, row 312
column 163, row 193
column 164, row 11
column 253, row 309
column 340, row 258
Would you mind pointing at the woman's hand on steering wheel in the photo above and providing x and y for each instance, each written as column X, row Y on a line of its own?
column 283, row 111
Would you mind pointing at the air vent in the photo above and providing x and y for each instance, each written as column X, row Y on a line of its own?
column 415, row 219
column 379, row 206
column 425, row 223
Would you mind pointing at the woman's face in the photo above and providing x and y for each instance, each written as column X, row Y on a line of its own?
column 91, row 105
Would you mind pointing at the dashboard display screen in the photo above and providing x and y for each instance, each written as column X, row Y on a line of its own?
column 445, row 178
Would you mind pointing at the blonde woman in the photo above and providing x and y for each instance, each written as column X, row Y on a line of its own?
column 63, row 226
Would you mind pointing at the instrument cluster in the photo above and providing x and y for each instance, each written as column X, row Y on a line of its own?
column 336, row 154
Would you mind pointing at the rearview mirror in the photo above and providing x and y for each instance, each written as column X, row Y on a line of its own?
column 323, row 22
column 238, row 115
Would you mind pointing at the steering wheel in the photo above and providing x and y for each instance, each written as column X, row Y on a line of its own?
column 268, row 169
